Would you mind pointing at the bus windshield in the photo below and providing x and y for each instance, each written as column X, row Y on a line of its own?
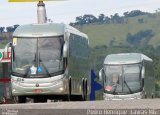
column 122, row 79
column 37, row 56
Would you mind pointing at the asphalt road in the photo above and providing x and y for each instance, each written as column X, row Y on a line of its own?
column 125, row 107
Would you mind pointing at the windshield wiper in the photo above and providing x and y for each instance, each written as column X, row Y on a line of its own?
column 28, row 69
column 114, row 91
column 49, row 75
column 128, row 86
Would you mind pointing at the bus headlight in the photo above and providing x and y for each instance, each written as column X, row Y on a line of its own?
column 61, row 88
column 13, row 90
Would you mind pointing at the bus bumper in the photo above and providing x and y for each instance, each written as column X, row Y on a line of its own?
column 42, row 86
column 138, row 95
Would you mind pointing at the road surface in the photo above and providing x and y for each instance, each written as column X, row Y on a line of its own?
column 125, row 107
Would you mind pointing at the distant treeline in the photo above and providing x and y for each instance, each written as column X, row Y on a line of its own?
column 6, row 34
column 8, row 29
column 102, row 19
column 90, row 19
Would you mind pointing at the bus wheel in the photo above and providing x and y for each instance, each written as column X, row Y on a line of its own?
column 145, row 95
column 39, row 100
column 21, row 99
column 35, row 100
column 15, row 99
column 69, row 90
column 4, row 100
column 84, row 90
column 152, row 95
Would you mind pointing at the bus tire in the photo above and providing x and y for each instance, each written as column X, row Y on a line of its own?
column 145, row 95
column 21, row 99
column 40, row 100
column 69, row 89
column 152, row 95
column 84, row 90
column 15, row 99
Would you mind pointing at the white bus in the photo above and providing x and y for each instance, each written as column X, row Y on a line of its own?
column 49, row 61
column 127, row 76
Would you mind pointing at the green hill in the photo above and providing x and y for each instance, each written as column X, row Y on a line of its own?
column 104, row 34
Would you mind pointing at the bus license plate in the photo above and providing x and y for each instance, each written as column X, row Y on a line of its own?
column 37, row 90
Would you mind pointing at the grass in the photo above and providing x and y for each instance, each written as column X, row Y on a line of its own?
column 102, row 34
column 158, row 88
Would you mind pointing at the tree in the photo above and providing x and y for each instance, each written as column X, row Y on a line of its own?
column 137, row 38
column 135, row 13
column 88, row 18
column 79, row 20
column 15, row 26
column 85, row 19
column 117, row 19
column 125, row 14
column 11, row 28
column 2, row 29
column 101, row 18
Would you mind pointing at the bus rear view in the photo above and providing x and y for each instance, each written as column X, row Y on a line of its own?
column 124, row 76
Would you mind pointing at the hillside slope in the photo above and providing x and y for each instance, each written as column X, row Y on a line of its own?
column 103, row 34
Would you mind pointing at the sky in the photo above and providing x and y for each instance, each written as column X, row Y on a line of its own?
column 67, row 11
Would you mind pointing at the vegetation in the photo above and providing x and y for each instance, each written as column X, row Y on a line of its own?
column 8, row 29
column 102, row 19
column 104, row 30
column 141, row 36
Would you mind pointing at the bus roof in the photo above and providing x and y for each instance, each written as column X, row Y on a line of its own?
column 39, row 30
column 44, row 30
column 125, row 58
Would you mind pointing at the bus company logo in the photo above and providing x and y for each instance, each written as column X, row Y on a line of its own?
column 37, row 85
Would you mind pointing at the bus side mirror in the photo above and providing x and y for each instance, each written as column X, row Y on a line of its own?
column 143, row 72
column 65, row 50
column 100, row 74
column 6, row 49
column 65, row 47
